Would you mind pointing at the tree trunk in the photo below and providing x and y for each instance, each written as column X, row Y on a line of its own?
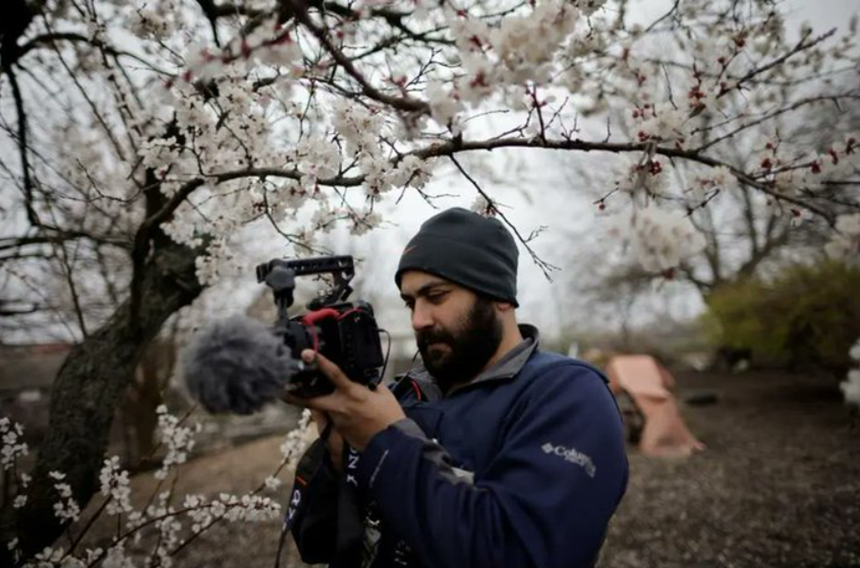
column 144, row 397
column 88, row 389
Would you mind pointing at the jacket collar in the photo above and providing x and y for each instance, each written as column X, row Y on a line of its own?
column 505, row 368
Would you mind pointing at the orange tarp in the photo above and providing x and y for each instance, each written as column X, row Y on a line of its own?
column 647, row 383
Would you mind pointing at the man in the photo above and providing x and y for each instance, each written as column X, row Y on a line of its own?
column 491, row 454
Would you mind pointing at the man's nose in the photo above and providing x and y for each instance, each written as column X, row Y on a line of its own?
column 421, row 317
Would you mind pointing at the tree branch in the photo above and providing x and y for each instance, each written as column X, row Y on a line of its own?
column 405, row 104
column 58, row 236
column 452, row 147
column 54, row 37
column 32, row 216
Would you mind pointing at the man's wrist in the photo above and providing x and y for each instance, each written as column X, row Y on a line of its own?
column 381, row 446
column 374, row 456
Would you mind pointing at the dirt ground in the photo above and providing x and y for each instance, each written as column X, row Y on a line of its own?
column 778, row 486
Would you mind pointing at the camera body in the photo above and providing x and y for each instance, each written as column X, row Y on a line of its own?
column 344, row 332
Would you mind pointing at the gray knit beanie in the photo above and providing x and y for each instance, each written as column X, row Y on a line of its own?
column 467, row 249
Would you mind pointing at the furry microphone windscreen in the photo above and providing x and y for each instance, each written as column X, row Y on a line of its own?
column 236, row 365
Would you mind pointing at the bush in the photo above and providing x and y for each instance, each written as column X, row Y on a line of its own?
column 808, row 316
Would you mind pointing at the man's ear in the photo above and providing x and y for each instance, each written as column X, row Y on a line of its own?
column 504, row 307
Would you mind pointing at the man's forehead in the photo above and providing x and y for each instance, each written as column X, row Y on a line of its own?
column 416, row 281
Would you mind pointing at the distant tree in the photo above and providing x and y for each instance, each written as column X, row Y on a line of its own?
column 744, row 232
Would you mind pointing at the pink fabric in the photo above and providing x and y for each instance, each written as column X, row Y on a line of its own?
column 647, row 382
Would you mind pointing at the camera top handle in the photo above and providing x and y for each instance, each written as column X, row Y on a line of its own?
column 279, row 275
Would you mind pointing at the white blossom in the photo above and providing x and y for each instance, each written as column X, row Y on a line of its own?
column 855, row 351
column 287, row 198
column 483, row 207
column 115, row 483
column 178, row 439
column 411, row 171
column 250, row 508
column 160, row 154
column 72, row 562
column 151, row 23
column 663, row 123
column 13, row 448
column 325, row 217
column 851, row 387
column 49, row 556
column 659, row 239
column 719, row 178
column 470, row 34
column 359, row 126
column 218, row 508
column 589, row 7
column 66, row 509
column 480, row 79
column 514, row 40
column 219, row 261
column 297, row 440
column 202, row 62
column 116, row 557
column 444, row 105
column 375, row 170
column 365, row 222
column 641, row 177
column 284, row 53
column 317, row 158
column 134, row 520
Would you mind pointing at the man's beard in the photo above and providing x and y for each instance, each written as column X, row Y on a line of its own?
column 468, row 349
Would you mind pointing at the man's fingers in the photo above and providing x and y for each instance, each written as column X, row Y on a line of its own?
column 329, row 369
column 295, row 400
column 320, row 404
column 320, row 418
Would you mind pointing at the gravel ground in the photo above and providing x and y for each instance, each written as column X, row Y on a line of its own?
column 778, row 486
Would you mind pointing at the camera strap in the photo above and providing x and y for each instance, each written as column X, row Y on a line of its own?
column 350, row 525
column 307, row 468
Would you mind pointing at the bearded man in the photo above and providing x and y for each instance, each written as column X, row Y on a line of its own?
column 489, row 453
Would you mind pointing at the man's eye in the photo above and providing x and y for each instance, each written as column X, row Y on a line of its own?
column 437, row 297
column 410, row 305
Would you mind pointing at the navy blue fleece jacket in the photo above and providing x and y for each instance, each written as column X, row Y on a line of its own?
column 522, row 467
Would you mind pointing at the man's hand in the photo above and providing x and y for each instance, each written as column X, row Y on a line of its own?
column 357, row 412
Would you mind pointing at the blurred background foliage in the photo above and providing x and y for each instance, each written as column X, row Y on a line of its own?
column 802, row 317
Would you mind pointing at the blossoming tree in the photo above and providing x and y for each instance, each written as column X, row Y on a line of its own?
column 745, row 232
column 145, row 136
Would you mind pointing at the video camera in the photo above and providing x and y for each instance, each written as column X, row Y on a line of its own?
column 343, row 332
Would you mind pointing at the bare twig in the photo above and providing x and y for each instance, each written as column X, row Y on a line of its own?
column 406, row 104
column 32, row 216
column 545, row 267
column 771, row 115
column 801, row 45
column 670, row 14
